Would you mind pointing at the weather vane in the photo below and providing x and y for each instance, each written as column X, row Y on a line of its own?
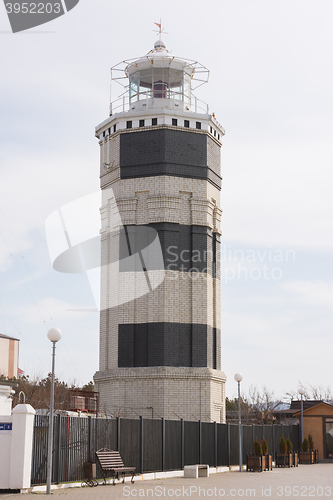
column 161, row 30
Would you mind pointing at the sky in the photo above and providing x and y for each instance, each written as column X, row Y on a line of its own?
column 270, row 87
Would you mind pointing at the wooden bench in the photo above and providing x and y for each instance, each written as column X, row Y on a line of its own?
column 110, row 462
column 199, row 470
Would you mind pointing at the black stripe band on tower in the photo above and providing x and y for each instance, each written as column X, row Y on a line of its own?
column 184, row 248
column 167, row 344
column 169, row 152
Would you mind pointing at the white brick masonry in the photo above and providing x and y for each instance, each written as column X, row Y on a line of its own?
column 188, row 393
column 181, row 297
column 163, row 199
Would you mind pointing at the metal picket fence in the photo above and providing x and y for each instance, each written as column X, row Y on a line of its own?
column 148, row 444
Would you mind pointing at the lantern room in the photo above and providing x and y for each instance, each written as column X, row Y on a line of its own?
column 159, row 75
column 159, row 79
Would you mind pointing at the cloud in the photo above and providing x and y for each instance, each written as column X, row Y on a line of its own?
column 77, row 349
column 49, row 307
column 311, row 293
column 32, row 186
column 270, row 87
column 274, row 333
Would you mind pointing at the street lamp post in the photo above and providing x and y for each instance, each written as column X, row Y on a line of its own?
column 238, row 377
column 301, row 391
column 54, row 335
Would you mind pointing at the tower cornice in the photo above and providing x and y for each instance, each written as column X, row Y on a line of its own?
column 164, row 117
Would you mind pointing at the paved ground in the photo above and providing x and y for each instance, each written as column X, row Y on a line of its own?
column 306, row 482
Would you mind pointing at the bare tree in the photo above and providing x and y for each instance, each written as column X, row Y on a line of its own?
column 256, row 407
column 263, row 403
column 318, row 392
column 37, row 392
column 314, row 392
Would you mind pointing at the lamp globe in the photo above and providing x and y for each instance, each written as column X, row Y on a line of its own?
column 54, row 334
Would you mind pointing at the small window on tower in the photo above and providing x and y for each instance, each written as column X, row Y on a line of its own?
column 104, row 133
column 211, row 130
column 141, row 123
column 109, row 131
column 174, row 122
column 214, row 133
column 114, row 127
column 218, row 136
column 198, row 125
column 154, row 121
column 129, row 124
column 186, row 123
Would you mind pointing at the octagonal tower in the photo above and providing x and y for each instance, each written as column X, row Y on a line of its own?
column 160, row 340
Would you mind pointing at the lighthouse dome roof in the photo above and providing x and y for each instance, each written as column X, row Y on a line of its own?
column 159, row 45
column 158, row 57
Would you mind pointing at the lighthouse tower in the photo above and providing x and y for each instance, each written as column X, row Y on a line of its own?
column 160, row 337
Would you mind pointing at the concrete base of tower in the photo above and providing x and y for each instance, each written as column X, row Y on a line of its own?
column 169, row 392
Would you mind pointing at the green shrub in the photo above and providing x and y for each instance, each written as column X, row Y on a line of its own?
column 311, row 444
column 264, row 446
column 305, row 445
column 282, row 446
column 289, row 446
column 257, row 448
